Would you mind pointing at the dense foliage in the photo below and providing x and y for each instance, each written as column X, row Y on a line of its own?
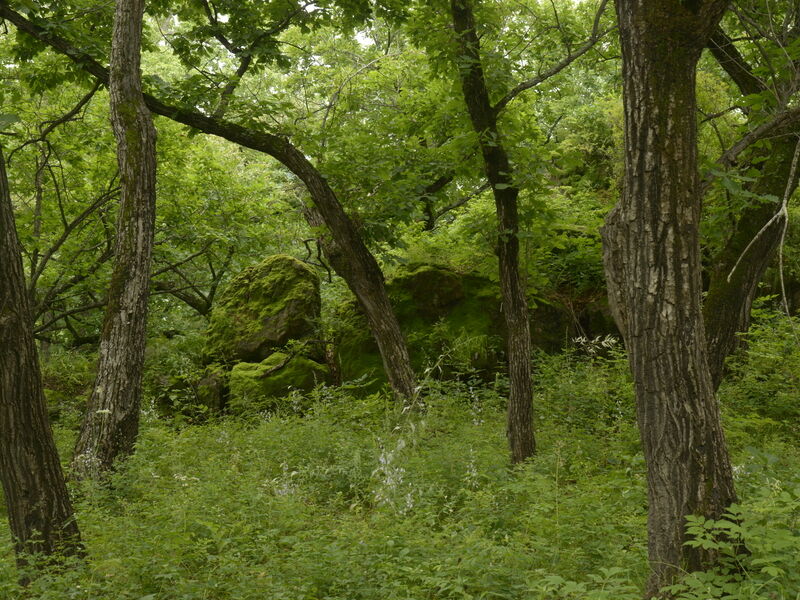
column 354, row 499
column 333, row 490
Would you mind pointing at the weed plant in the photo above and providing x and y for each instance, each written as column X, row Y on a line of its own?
column 356, row 499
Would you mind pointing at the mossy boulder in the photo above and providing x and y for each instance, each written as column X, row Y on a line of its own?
column 263, row 308
column 212, row 387
column 260, row 386
column 193, row 396
column 429, row 289
column 444, row 314
column 453, row 322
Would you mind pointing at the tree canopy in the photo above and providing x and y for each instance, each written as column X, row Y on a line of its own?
column 493, row 206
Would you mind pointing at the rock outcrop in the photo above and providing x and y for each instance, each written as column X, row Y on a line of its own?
column 263, row 308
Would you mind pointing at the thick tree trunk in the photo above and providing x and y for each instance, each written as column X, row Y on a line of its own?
column 358, row 267
column 500, row 175
column 111, row 424
column 728, row 302
column 37, row 501
column 652, row 260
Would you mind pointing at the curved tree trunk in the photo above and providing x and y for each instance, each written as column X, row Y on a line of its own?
column 728, row 302
column 652, row 261
column 365, row 279
column 38, row 505
column 357, row 267
column 111, row 423
column 500, row 175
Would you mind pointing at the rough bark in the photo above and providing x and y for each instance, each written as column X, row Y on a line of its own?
column 500, row 175
column 38, row 505
column 365, row 279
column 652, row 261
column 357, row 266
column 111, row 423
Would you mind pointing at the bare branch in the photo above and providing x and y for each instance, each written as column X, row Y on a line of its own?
column 174, row 266
column 70, row 227
column 763, row 131
column 461, row 201
column 47, row 127
column 81, row 309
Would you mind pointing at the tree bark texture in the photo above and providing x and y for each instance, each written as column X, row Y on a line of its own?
column 111, row 424
column 652, row 261
column 357, row 266
column 39, row 509
column 500, row 175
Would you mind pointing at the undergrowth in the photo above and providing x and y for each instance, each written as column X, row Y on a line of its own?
column 356, row 499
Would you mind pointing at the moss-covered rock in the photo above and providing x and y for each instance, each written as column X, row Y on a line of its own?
column 258, row 386
column 262, row 308
column 212, row 389
column 192, row 396
column 453, row 322
column 449, row 319
column 430, row 289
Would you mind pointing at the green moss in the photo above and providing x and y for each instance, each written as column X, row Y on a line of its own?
column 453, row 321
column 263, row 308
column 212, row 388
column 441, row 313
column 259, row 386
column 430, row 290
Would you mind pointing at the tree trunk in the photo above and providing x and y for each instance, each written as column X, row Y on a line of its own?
column 652, row 261
column 500, row 175
column 364, row 277
column 111, row 424
column 728, row 303
column 37, row 501
column 357, row 267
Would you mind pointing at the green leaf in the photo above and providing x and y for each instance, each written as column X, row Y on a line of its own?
column 7, row 120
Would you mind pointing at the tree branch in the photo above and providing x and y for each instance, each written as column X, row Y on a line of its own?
column 763, row 131
column 173, row 266
column 81, row 309
column 461, row 201
column 734, row 64
column 195, row 301
column 51, row 125
column 68, row 229
column 595, row 36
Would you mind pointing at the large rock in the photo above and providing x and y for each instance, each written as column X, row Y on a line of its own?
column 262, row 308
column 260, row 386
column 450, row 320
column 454, row 324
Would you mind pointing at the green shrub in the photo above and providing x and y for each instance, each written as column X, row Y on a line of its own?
column 586, row 388
column 764, row 379
column 358, row 499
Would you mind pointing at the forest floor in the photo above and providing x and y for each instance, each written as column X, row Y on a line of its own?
column 355, row 499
